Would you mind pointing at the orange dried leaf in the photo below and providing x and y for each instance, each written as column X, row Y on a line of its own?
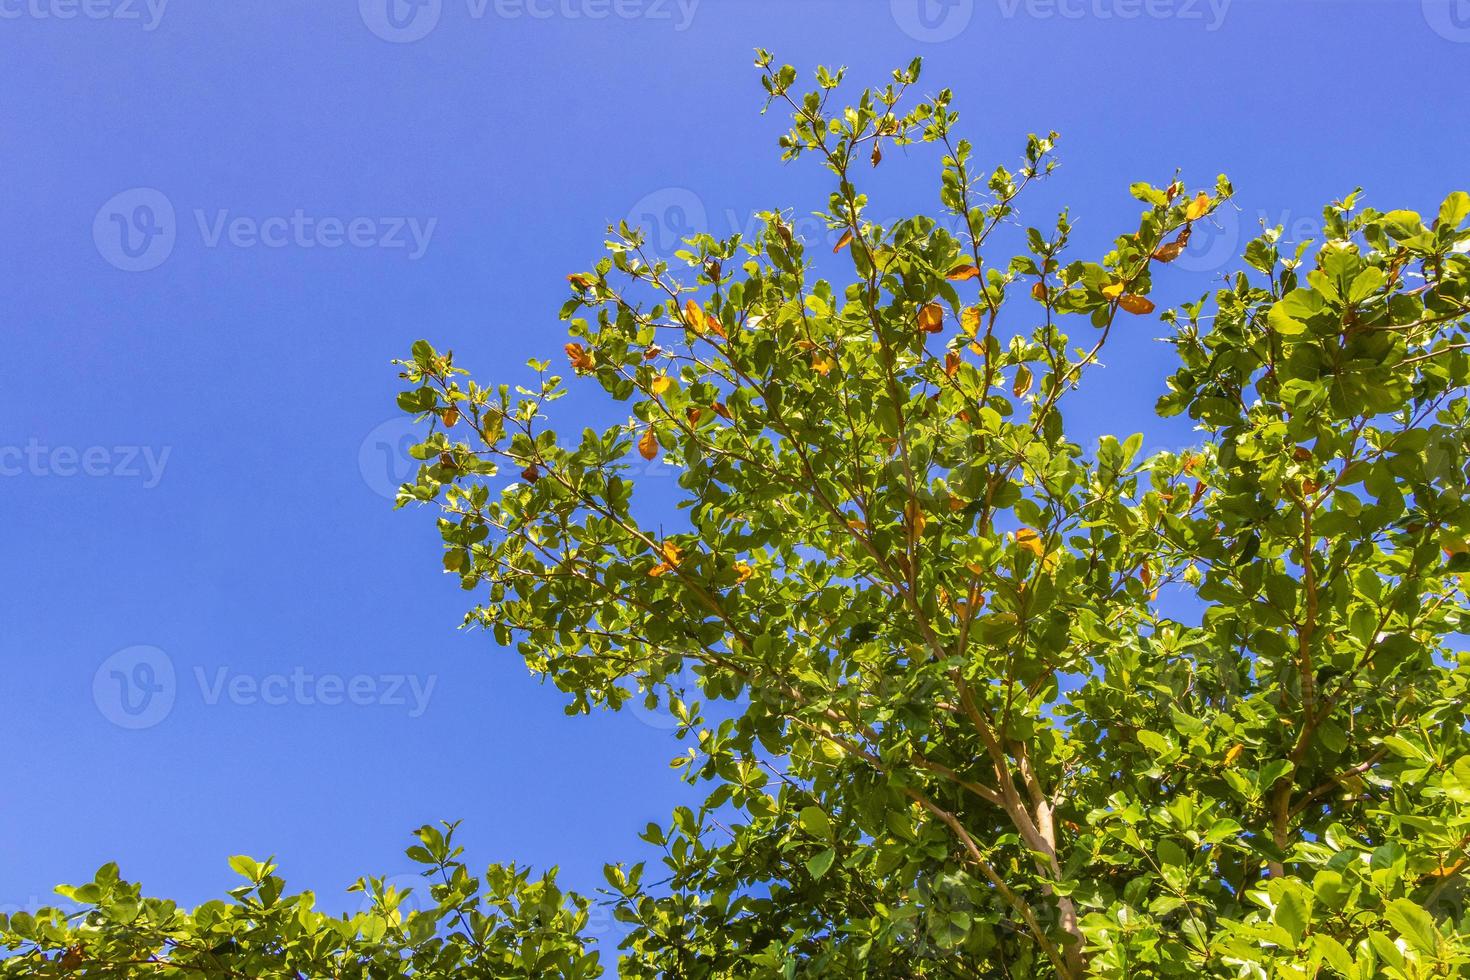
column 843, row 242
column 1135, row 304
column 961, row 273
column 662, row 568
column 449, row 417
column 672, row 553
column 931, row 318
column 1038, row 292
column 580, row 358
column 951, row 363
column 1030, row 539
column 531, row 473
column 648, row 445
column 719, row 409
column 580, row 281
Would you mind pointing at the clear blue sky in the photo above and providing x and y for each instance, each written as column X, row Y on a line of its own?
column 219, row 412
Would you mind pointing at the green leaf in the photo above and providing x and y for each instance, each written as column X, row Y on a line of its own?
column 814, row 821
column 818, row 864
column 1415, row 925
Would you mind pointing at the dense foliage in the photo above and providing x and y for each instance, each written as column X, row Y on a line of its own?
column 963, row 697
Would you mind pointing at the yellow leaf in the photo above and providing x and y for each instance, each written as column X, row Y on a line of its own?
column 843, row 242
column 1135, row 304
column 580, row 281
column 1038, row 292
column 743, row 571
column 931, row 318
column 1023, row 381
column 970, row 321
column 661, row 384
column 914, row 514
column 693, row 316
column 1234, row 754
column 648, row 445
column 1113, row 290
column 1030, row 539
column 960, row 273
column 821, row 363
column 672, row 553
column 1199, row 207
column 663, row 568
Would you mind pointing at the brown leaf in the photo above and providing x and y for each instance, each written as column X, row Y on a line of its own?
column 877, row 157
column 951, row 363
column 581, row 281
column 531, row 473
column 1038, row 291
column 843, row 242
column 648, row 445
column 931, row 318
column 719, row 409
column 693, row 413
column 449, row 417
column 961, row 273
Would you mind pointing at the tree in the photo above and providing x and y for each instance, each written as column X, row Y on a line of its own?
column 945, row 718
